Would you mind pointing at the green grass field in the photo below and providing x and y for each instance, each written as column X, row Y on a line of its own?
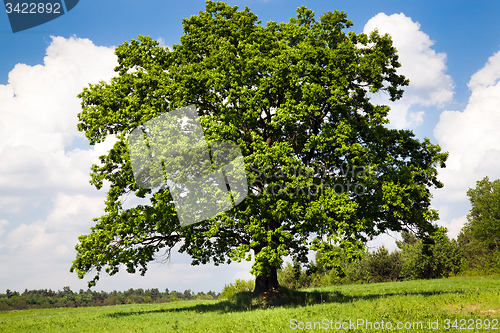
column 453, row 304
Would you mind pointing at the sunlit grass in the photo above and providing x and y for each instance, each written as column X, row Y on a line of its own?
column 412, row 301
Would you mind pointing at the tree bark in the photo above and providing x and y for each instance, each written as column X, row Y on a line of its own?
column 267, row 283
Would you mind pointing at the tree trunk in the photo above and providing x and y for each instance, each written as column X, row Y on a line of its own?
column 267, row 283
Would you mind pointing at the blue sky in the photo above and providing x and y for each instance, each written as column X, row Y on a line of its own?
column 448, row 50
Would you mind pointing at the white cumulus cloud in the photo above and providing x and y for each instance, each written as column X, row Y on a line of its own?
column 3, row 223
column 426, row 69
column 38, row 112
column 38, row 118
column 488, row 75
column 472, row 139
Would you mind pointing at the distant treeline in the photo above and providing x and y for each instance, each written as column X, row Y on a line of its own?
column 45, row 299
column 439, row 257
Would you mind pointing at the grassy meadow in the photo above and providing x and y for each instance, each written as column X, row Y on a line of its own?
column 452, row 304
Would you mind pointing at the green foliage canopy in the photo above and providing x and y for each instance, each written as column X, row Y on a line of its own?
column 292, row 96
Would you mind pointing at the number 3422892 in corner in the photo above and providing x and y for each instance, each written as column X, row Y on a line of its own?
column 26, row 15
column 33, row 8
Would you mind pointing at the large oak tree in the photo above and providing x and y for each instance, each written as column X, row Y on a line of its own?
column 322, row 166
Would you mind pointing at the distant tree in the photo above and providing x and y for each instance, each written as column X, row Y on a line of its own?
column 441, row 257
column 129, row 292
column 174, row 295
column 238, row 286
column 67, row 291
column 479, row 238
column 213, row 294
column 155, row 294
column 477, row 258
column 11, row 293
column 294, row 97
column 409, row 238
column 484, row 216
column 384, row 266
column 292, row 276
column 187, row 294
column 147, row 297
